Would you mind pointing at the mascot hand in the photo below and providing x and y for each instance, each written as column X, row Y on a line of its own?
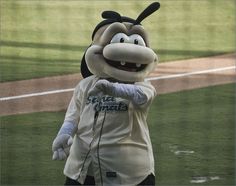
column 61, row 147
column 100, row 88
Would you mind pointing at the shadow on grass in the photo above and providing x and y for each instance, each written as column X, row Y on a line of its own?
column 42, row 45
column 35, row 59
column 54, row 46
column 181, row 52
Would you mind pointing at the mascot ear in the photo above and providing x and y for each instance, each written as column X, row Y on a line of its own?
column 84, row 68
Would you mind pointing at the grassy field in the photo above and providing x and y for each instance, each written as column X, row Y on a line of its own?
column 46, row 38
column 193, row 135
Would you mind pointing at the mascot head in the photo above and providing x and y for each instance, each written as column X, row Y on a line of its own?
column 120, row 48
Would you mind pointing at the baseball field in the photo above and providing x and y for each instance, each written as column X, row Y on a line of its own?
column 192, row 121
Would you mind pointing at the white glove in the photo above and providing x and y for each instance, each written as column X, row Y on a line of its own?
column 62, row 143
column 99, row 89
column 61, row 146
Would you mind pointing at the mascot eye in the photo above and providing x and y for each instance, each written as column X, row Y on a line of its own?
column 120, row 38
column 137, row 40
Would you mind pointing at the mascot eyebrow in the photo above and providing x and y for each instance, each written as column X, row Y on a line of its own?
column 112, row 16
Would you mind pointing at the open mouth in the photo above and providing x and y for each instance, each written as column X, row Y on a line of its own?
column 122, row 65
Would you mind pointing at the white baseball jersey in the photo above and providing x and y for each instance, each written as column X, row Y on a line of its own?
column 112, row 142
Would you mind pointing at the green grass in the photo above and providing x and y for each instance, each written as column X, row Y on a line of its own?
column 46, row 38
column 200, row 120
column 26, row 149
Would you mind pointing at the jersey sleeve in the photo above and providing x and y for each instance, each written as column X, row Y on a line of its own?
column 73, row 110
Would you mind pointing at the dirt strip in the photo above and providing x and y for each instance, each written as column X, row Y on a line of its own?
column 59, row 101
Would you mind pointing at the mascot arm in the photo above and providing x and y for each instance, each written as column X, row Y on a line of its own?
column 63, row 141
column 132, row 92
column 128, row 91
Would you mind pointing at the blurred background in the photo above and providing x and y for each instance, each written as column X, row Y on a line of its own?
column 193, row 132
column 49, row 37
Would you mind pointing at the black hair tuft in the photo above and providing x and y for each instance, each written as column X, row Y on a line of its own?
column 148, row 11
column 111, row 15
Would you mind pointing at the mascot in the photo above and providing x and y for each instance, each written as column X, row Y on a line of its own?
column 105, row 136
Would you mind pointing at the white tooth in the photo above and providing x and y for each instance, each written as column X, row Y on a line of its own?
column 138, row 65
column 122, row 63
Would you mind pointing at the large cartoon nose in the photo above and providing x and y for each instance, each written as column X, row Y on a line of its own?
column 128, row 52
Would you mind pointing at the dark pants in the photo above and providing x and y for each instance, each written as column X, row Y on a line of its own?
column 88, row 181
column 150, row 180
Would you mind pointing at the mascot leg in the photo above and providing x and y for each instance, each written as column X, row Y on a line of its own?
column 88, row 181
column 150, row 180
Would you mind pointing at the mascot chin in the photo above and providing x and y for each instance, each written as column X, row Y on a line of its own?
column 105, row 136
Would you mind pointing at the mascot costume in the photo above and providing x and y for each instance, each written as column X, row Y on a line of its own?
column 105, row 136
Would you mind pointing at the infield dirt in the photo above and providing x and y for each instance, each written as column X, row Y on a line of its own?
column 60, row 101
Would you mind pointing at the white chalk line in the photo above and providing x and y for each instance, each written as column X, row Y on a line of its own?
column 36, row 94
column 191, row 73
column 147, row 79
